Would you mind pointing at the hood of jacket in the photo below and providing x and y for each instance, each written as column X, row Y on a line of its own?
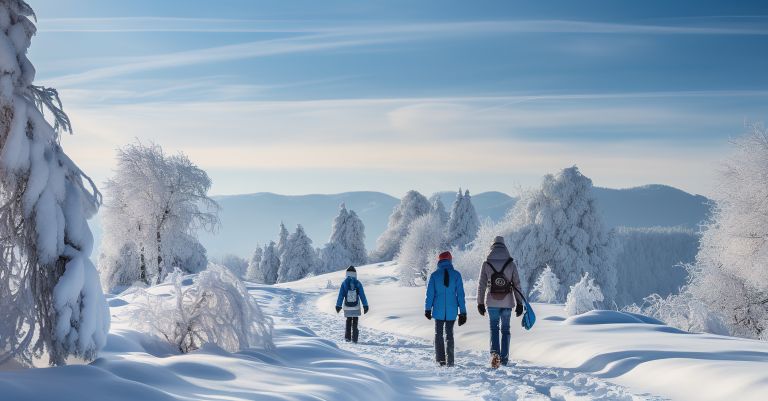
column 445, row 264
column 499, row 251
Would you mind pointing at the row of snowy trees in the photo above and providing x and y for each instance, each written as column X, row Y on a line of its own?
column 293, row 257
column 419, row 229
column 51, row 303
column 155, row 203
column 555, row 235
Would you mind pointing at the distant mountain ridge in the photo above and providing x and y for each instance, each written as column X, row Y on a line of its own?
column 252, row 219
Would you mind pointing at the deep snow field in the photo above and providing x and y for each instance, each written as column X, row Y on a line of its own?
column 597, row 356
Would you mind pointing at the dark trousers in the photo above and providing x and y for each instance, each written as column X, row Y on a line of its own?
column 444, row 344
column 351, row 332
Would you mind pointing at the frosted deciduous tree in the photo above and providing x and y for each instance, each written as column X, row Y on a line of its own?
column 583, row 297
column 215, row 309
column 438, row 208
column 155, row 204
column 410, row 208
column 730, row 275
column 346, row 246
column 547, row 286
column 420, row 248
column 254, row 273
column 51, row 303
column 463, row 223
column 299, row 258
column 559, row 226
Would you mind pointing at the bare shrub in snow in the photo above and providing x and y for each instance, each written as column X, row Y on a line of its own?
column 583, row 297
column 51, row 303
column 155, row 204
column 680, row 310
column 547, row 286
column 299, row 258
column 463, row 224
column 346, row 246
column 215, row 309
column 420, row 249
column 410, row 208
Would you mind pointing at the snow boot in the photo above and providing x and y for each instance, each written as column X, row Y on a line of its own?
column 495, row 361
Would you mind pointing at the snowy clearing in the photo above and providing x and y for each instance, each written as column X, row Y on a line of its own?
column 593, row 349
column 596, row 356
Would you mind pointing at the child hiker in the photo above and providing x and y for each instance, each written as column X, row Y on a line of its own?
column 445, row 302
column 350, row 296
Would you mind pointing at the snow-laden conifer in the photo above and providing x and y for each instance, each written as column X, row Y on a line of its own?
column 463, row 223
column 299, row 258
column 409, row 209
column 51, row 302
column 547, row 286
column 583, row 297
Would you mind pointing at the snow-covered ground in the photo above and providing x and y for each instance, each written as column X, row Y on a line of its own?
column 586, row 352
column 597, row 356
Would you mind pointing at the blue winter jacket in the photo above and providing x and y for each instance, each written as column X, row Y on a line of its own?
column 346, row 286
column 445, row 302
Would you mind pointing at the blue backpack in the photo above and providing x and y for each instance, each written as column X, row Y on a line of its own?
column 529, row 318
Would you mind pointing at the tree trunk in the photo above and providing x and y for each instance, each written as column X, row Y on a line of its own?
column 159, row 260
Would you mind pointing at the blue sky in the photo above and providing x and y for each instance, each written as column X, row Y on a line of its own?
column 329, row 96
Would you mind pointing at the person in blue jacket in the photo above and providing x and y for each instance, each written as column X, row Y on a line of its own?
column 351, row 297
column 445, row 302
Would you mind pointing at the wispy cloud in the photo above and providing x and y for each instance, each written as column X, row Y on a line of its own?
column 713, row 26
column 326, row 37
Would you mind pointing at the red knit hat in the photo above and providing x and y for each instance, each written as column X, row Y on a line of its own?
column 445, row 256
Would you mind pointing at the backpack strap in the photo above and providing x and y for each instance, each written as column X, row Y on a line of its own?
column 502, row 268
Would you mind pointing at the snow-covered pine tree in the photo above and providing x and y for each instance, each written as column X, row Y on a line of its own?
column 155, row 204
column 438, row 208
column 411, row 207
column 547, row 286
column 559, row 226
column 51, row 303
column 346, row 246
column 282, row 239
column 299, row 257
column 730, row 275
column 583, row 297
column 254, row 273
column 420, row 248
column 270, row 263
column 463, row 223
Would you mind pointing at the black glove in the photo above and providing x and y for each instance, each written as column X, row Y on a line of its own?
column 518, row 309
column 428, row 314
column 365, row 309
column 462, row 319
column 338, row 309
column 481, row 309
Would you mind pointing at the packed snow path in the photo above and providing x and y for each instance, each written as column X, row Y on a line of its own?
column 519, row 381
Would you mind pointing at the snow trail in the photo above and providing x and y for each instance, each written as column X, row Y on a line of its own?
column 519, row 381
